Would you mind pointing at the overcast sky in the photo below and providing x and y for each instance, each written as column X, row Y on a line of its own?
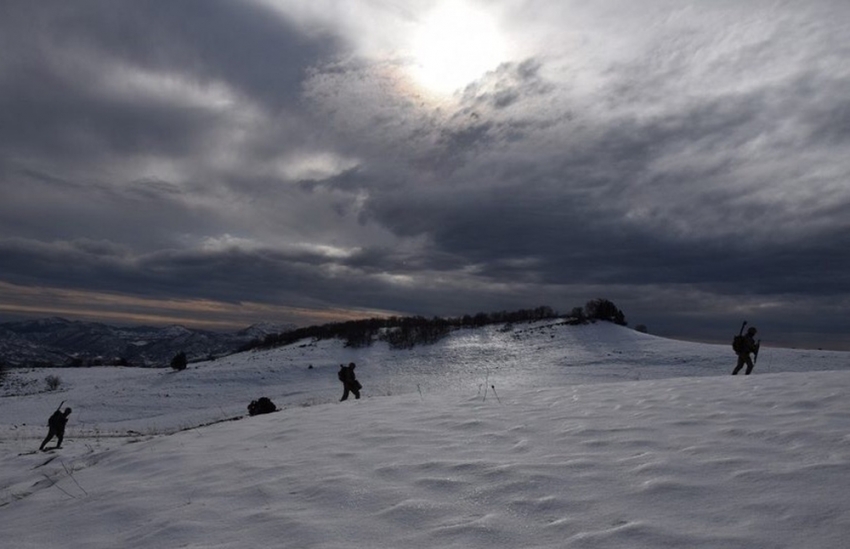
column 218, row 163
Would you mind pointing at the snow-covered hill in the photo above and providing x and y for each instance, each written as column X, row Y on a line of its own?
column 542, row 435
column 60, row 342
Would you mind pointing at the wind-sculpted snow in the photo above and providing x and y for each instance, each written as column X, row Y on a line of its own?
column 584, row 443
column 115, row 400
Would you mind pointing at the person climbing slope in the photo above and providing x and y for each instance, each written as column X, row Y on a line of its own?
column 349, row 381
column 56, row 426
column 744, row 345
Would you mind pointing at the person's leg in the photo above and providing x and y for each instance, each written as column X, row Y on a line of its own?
column 46, row 439
column 345, row 392
column 738, row 366
column 60, row 435
column 750, row 365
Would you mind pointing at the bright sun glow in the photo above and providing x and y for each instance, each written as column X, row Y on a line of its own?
column 455, row 45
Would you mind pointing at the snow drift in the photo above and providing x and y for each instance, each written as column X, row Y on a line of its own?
column 539, row 436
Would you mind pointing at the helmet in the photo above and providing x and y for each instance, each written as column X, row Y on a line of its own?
column 752, row 330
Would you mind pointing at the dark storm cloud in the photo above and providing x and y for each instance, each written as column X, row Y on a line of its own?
column 571, row 243
column 637, row 200
column 688, row 162
column 299, row 278
column 96, row 81
column 95, row 140
column 45, row 113
column 242, row 43
column 152, row 211
column 210, row 274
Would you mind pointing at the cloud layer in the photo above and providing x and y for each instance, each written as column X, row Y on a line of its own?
column 687, row 161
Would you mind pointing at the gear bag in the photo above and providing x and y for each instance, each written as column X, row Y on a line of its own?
column 739, row 344
column 57, row 420
column 262, row 405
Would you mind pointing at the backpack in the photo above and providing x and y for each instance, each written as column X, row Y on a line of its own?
column 739, row 344
column 341, row 374
column 55, row 420
column 262, row 405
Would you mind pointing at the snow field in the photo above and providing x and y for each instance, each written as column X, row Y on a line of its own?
column 696, row 459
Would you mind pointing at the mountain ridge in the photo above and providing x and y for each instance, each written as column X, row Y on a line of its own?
column 59, row 342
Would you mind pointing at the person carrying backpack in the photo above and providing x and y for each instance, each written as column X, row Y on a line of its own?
column 349, row 381
column 56, row 426
column 743, row 345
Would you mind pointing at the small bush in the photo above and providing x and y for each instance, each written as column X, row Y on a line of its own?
column 179, row 361
column 53, row 382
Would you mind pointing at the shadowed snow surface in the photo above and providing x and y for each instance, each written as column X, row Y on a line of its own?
column 543, row 435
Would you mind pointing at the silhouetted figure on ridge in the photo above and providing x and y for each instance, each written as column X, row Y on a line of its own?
column 349, row 381
column 743, row 346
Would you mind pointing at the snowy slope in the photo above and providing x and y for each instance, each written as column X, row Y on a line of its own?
column 595, row 436
column 115, row 400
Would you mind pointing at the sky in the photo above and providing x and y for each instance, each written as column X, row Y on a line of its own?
column 544, row 435
column 221, row 163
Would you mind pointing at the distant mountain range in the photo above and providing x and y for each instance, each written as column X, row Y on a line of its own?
column 60, row 342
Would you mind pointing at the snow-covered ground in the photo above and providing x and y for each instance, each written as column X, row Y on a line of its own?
column 541, row 435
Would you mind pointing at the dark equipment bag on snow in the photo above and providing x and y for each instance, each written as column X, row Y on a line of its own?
column 262, row 405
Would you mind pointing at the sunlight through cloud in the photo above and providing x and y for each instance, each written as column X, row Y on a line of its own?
column 454, row 45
